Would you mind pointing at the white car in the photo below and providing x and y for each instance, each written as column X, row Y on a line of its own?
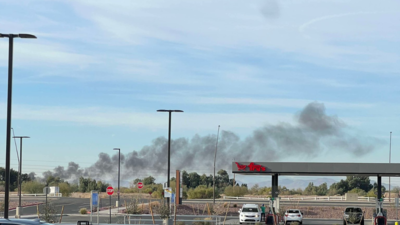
column 249, row 213
column 293, row 215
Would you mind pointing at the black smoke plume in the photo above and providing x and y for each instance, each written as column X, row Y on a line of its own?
column 314, row 133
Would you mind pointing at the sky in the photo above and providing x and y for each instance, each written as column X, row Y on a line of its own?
column 99, row 69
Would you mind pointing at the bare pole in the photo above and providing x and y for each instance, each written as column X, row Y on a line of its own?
column 390, row 156
column 215, row 157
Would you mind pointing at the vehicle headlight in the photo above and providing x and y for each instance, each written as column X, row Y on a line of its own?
column 347, row 216
column 257, row 215
column 241, row 215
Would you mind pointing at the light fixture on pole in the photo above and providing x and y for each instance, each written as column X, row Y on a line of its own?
column 119, row 170
column 215, row 157
column 169, row 143
column 9, row 100
column 18, row 212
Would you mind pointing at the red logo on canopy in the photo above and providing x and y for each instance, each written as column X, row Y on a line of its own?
column 252, row 167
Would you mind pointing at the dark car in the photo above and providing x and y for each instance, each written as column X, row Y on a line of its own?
column 353, row 215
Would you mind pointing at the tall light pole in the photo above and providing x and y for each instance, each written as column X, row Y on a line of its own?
column 169, row 143
column 215, row 157
column 390, row 156
column 18, row 213
column 9, row 99
column 119, row 170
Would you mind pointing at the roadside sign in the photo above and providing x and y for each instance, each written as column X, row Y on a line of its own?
column 110, row 190
column 167, row 192
column 95, row 198
column 46, row 190
column 140, row 185
column 172, row 198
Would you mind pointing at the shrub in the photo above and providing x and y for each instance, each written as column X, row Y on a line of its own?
column 48, row 213
column 83, row 211
column 235, row 191
column 180, row 223
column 133, row 206
column 32, row 187
column 201, row 192
column 359, row 191
column 163, row 210
column 65, row 189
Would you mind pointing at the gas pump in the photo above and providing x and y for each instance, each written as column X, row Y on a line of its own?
column 379, row 218
column 271, row 217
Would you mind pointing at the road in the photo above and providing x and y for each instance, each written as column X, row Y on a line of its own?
column 300, row 203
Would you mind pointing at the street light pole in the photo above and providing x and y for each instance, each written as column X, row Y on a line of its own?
column 8, row 131
column 390, row 156
column 119, row 170
column 169, row 143
column 18, row 213
column 215, row 157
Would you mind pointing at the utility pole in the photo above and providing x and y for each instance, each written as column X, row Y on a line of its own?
column 390, row 156
column 215, row 157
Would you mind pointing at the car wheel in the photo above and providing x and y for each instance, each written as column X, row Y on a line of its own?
column 362, row 222
column 344, row 222
column 301, row 222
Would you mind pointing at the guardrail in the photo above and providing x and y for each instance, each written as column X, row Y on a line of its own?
column 138, row 217
column 318, row 198
column 36, row 195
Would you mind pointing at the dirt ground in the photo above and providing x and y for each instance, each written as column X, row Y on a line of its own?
column 332, row 212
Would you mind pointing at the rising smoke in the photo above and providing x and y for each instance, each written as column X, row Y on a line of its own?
column 313, row 134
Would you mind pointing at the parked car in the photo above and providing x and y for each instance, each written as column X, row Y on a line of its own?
column 353, row 215
column 293, row 215
column 249, row 213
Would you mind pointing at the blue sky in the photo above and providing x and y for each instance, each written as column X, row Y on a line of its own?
column 99, row 70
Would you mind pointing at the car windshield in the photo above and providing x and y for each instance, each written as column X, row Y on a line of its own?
column 250, row 210
column 358, row 210
column 293, row 211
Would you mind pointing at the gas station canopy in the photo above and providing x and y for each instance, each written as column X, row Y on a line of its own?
column 316, row 169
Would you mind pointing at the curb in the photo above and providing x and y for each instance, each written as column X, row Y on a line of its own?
column 25, row 206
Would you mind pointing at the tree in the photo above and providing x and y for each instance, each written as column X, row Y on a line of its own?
column 185, row 178
column 83, row 183
column 194, row 179
column 14, row 178
column 65, row 189
column 137, row 180
column 223, row 178
column 341, row 187
column 309, row 190
column 204, row 180
column 148, row 180
column 361, row 182
column 53, row 181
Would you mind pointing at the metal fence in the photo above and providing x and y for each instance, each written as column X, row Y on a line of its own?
column 317, row 198
column 140, row 218
column 37, row 195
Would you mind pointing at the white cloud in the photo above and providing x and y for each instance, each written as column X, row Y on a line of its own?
column 209, row 24
column 105, row 116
